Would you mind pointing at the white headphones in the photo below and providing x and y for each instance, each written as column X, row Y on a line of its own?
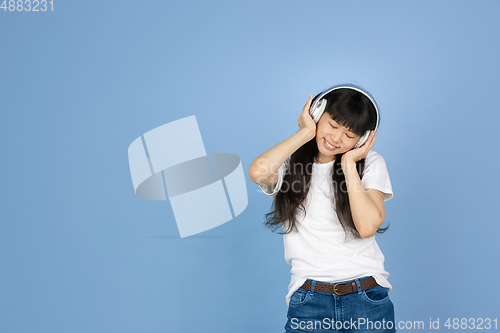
column 318, row 107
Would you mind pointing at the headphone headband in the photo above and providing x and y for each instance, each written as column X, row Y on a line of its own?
column 348, row 86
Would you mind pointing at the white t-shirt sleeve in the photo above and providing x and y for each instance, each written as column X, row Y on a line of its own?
column 270, row 190
column 376, row 175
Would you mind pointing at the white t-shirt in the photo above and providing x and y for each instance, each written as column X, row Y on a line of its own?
column 318, row 250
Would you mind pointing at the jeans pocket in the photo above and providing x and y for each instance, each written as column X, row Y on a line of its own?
column 300, row 296
column 377, row 294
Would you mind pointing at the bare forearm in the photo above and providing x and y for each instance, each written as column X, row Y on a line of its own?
column 269, row 162
column 365, row 214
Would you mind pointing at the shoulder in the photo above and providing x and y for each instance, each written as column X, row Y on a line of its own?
column 376, row 175
column 375, row 166
column 374, row 158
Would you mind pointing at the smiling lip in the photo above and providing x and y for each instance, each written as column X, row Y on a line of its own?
column 329, row 147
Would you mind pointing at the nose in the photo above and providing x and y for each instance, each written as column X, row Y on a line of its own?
column 335, row 138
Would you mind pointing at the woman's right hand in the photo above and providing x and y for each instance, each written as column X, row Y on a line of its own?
column 305, row 120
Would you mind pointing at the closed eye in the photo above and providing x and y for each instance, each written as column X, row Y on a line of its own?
column 346, row 133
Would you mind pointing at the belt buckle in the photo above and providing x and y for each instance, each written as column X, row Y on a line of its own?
column 335, row 289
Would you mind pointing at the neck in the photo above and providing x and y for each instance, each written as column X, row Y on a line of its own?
column 323, row 159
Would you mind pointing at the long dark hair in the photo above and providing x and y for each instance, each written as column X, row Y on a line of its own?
column 348, row 108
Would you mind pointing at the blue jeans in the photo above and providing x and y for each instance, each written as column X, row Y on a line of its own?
column 368, row 310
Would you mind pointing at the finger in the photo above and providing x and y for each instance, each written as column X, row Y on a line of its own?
column 369, row 141
column 307, row 106
column 370, row 137
column 373, row 140
column 310, row 99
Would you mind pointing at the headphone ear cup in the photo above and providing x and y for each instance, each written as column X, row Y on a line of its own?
column 318, row 110
column 362, row 139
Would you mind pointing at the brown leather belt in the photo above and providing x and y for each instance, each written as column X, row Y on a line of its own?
column 341, row 288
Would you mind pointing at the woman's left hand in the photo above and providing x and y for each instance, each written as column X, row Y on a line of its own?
column 357, row 154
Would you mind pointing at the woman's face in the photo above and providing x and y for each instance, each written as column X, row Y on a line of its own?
column 328, row 134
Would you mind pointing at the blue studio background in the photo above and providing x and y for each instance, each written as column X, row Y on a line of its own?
column 80, row 252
